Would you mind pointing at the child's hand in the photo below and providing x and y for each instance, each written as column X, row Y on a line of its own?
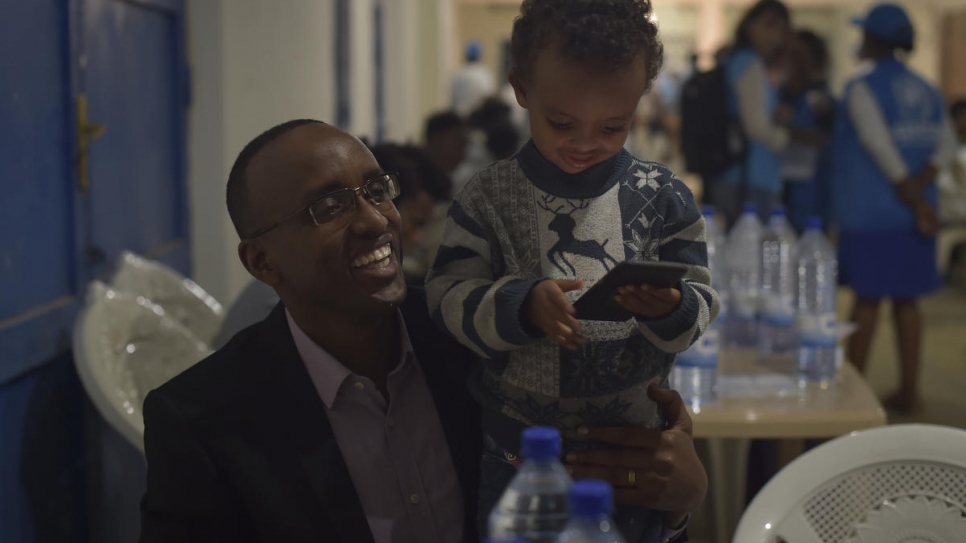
column 649, row 301
column 548, row 309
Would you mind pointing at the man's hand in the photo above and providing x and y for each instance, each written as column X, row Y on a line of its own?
column 548, row 308
column 649, row 301
column 654, row 468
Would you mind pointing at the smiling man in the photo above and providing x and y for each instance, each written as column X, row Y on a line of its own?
column 329, row 420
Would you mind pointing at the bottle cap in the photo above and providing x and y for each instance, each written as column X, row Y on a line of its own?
column 778, row 211
column 813, row 223
column 708, row 212
column 540, row 443
column 590, row 498
column 751, row 208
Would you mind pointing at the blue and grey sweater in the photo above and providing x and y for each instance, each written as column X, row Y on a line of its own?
column 523, row 220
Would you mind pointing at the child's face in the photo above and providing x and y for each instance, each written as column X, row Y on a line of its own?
column 579, row 116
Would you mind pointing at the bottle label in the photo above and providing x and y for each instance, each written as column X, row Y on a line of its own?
column 818, row 330
column 704, row 352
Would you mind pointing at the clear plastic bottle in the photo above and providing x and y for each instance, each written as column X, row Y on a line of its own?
column 534, row 504
column 695, row 372
column 743, row 270
column 816, row 308
column 779, row 274
column 591, row 502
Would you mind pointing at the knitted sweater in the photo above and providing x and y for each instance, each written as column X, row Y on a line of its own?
column 523, row 220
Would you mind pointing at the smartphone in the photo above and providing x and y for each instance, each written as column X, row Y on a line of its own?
column 597, row 304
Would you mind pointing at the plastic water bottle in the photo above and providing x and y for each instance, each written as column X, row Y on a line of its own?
column 743, row 269
column 591, row 502
column 779, row 274
column 817, row 282
column 695, row 372
column 534, row 504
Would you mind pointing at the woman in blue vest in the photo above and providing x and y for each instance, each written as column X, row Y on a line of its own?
column 753, row 98
column 891, row 136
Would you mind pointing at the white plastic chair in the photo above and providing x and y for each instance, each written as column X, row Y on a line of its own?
column 895, row 484
column 180, row 297
column 125, row 346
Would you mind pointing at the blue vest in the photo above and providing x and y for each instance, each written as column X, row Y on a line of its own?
column 761, row 169
column 865, row 199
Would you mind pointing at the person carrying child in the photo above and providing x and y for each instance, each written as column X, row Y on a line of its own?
column 526, row 236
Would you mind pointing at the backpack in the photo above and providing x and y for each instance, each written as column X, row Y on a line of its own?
column 711, row 137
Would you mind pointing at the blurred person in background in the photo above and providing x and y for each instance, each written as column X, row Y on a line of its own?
column 493, row 111
column 446, row 137
column 473, row 83
column 892, row 135
column 952, row 181
column 807, row 104
column 760, row 38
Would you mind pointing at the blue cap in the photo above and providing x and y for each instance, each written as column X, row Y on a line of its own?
column 474, row 49
column 888, row 22
column 590, row 498
column 540, row 443
column 813, row 223
column 708, row 211
column 750, row 208
column 778, row 211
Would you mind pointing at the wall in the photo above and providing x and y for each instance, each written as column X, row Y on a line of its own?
column 253, row 66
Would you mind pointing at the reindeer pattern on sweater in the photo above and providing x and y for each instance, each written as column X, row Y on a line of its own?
column 522, row 220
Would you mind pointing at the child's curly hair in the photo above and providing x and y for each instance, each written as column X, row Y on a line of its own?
column 606, row 34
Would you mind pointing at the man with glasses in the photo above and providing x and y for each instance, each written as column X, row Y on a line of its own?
column 344, row 415
column 332, row 419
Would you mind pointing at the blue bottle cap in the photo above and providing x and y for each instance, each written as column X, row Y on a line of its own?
column 708, row 212
column 778, row 211
column 751, row 208
column 591, row 498
column 540, row 443
column 813, row 223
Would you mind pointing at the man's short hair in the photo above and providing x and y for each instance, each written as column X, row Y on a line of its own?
column 239, row 203
column 443, row 122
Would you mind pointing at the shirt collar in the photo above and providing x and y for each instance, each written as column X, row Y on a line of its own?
column 326, row 372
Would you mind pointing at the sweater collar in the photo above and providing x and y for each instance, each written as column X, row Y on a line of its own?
column 590, row 183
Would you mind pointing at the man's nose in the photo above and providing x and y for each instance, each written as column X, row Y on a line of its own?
column 367, row 217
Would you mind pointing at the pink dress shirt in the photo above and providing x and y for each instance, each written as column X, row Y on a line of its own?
column 396, row 453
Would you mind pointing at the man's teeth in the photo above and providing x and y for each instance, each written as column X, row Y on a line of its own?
column 378, row 254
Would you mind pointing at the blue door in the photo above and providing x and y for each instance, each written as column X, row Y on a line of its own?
column 134, row 80
column 66, row 210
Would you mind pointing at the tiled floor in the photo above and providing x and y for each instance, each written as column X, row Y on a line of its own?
column 943, row 372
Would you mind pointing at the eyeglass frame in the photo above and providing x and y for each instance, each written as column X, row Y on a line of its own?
column 363, row 188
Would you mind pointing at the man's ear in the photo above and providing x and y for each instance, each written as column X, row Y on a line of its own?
column 254, row 256
column 518, row 88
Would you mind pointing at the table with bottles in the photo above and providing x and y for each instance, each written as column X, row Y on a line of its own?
column 757, row 399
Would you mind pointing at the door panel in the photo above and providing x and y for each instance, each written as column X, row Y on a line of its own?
column 37, row 257
column 132, row 82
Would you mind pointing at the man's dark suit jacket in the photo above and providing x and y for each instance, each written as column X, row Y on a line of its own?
column 239, row 448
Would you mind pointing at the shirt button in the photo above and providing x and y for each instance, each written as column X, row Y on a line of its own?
column 360, row 385
column 414, row 498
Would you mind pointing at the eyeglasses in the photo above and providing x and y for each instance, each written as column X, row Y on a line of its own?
column 380, row 190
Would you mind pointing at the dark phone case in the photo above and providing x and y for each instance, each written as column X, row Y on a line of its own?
column 597, row 304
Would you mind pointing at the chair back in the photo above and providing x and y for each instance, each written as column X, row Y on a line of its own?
column 890, row 484
column 125, row 346
column 181, row 298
